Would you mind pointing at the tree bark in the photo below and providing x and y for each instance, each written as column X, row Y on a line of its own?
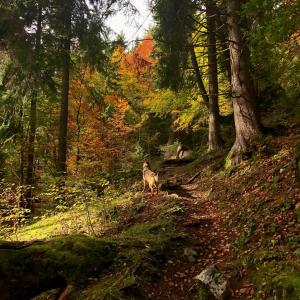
column 63, row 121
column 78, row 131
column 31, row 140
column 214, row 134
column 29, row 182
column 22, row 156
column 222, row 34
column 246, row 117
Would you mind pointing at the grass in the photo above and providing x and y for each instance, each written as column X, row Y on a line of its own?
column 133, row 254
column 73, row 220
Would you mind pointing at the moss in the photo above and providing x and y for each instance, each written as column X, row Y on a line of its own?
column 118, row 286
column 154, row 234
column 203, row 293
column 73, row 221
column 228, row 160
column 51, row 264
column 139, row 259
column 139, row 245
column 54, row 263
column 288, row 284
column 276, row 279
column 171, row 207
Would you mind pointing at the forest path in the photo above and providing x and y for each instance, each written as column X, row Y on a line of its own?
column 208, row 241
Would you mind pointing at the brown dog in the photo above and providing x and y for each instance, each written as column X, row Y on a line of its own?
column 150, row 178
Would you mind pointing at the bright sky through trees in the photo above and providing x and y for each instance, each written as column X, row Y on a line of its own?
column 133, row 27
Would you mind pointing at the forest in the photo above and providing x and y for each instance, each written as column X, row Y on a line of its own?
column 158, row 167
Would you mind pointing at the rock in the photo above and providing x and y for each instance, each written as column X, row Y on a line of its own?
column 203, row 293
column 191, row 259
column 173, row 196
column 51, row 264
column 215, row 281
column 190, row 252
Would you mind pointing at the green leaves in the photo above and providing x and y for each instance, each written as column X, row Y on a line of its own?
column 172, row 35
column 273, row 42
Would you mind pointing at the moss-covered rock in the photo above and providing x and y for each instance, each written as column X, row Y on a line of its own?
column 203, row 292
column 44, row 265
column 123, row 285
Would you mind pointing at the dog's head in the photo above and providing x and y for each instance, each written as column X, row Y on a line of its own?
column 145, row 164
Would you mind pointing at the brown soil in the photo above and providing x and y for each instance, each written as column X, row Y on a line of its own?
column 217, row 206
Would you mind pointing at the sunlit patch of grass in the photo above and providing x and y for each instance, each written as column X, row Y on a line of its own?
column 74, row 219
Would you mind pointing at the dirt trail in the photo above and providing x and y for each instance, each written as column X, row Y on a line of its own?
column 207, row 235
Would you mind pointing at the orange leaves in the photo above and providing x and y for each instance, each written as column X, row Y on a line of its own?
column 97, row 127
column 145, row 49
column 101, row 119
column 136, row 63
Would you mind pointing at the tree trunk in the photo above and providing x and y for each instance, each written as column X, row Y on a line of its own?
column 63, row 121
column 199, row 77
column 29, row 182
column 246, row 118
column 22, row 156
column 214, row 134
column 221, row 35
column 31, row 139
column 78, row 131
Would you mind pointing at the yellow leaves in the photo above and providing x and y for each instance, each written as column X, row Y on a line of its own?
column 118, row 55
column 186, row 118
column 98, row 131
column 100, row 128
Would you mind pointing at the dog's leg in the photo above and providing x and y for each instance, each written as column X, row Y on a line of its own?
column 178, row 152
column 144, row 181
column 152, row 190
column 182, row 153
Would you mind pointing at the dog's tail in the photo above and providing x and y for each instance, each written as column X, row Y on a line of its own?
column 156, row 177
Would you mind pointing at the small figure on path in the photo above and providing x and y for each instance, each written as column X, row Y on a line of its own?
column 180, row 150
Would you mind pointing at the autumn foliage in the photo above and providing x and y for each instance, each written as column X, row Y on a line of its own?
column 102, row 120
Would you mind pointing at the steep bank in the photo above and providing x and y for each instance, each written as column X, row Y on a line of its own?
column 243, row 220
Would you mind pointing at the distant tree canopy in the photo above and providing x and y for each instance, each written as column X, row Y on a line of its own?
column 75, row 101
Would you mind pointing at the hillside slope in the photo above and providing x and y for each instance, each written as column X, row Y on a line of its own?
column 245, row 220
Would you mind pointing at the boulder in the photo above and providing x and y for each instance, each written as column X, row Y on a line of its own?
column 215, row 281
column 28, row 269
column 190, row 254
